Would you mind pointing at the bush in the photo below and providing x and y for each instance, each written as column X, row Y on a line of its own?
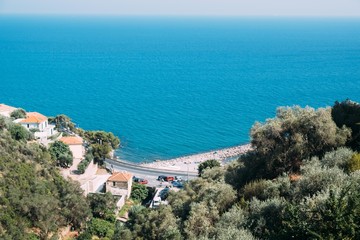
column 2, row 123
column 347, row 113
column 139, row 192
column 316, row 178
column 354, row 163
column 265, row 217
column 19, row 133
column 330, row 214
column 256, row 189
column 101, row 228
column 293, row 135
column 61, row 153
column 339, row 158
column 18, row 113
column 207, row 165
column 85, row 163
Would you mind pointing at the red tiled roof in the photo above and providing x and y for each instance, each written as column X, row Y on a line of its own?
column 120, row 177
column 34, row 117
column 72, row 140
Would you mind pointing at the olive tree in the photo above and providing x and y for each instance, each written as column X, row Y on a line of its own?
column 281, row 143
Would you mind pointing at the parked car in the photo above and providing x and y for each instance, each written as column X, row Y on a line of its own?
column 165, row 178
column 169, row 179
column 177, row 184
column 156, row 202
column 140, row 180
column 161, row 177
column 164, row 193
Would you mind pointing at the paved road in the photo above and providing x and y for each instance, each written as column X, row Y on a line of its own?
column 150, row 174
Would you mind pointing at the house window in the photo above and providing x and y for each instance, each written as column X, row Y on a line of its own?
column 113, row 184
column 28, row 126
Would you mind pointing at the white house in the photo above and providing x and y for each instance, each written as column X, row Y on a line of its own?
column 119, row 183
column 75, row 144
column 6, row 110
column 35, row 120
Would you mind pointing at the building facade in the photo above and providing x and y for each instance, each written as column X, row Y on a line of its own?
column 119, row 183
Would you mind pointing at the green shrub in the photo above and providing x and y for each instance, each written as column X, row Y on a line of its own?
column 2, row 123
column 61, row 153
column 85, row 163
column 139, row 192
column 101, row 228
column 339, row 158
column 207, row 165
column 19, row 133
column 255, row 189
column 18, row 113
column 354, row 163
column 316, row 178
column 265, row 217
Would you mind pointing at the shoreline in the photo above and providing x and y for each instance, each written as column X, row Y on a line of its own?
column 190, row 162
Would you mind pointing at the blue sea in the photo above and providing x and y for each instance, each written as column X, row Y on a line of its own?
column 175, row 86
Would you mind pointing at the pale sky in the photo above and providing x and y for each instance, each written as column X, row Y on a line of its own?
column 185, row 7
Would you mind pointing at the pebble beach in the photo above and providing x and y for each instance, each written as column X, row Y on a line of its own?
column 190, row 163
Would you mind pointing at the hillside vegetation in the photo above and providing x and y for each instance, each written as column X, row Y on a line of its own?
column 35, row 200
column 301, row 181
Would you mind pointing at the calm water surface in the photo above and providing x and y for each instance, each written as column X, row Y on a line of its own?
column 174, row 86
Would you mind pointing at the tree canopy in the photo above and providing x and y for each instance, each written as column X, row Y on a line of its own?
column 207, row 165
column 293, row 135
column 299, row 182
column 61, row 153
column 62, row 123
column 347, row 113
column 19, row 133
column 33, row 195
column 139, row 192
column 18, row 113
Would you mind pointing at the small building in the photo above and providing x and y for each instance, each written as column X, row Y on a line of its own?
column 6, row 110
column 39, row 124
column 34, row 120
column 75, row 144
column 119, row 183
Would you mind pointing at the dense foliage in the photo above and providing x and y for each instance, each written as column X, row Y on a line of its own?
column 207, row 165
column 18, row 113
column 139, row 192
column 19, row 133
column 282, row 143
column 348, row 113
column 300, row 181
column 61, row 153
column 85, row 163
column 62, row 123
column 100, row 143
column 102, row 206
column 35, row 201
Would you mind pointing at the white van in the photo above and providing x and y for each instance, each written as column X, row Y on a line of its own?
column 156, row 202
